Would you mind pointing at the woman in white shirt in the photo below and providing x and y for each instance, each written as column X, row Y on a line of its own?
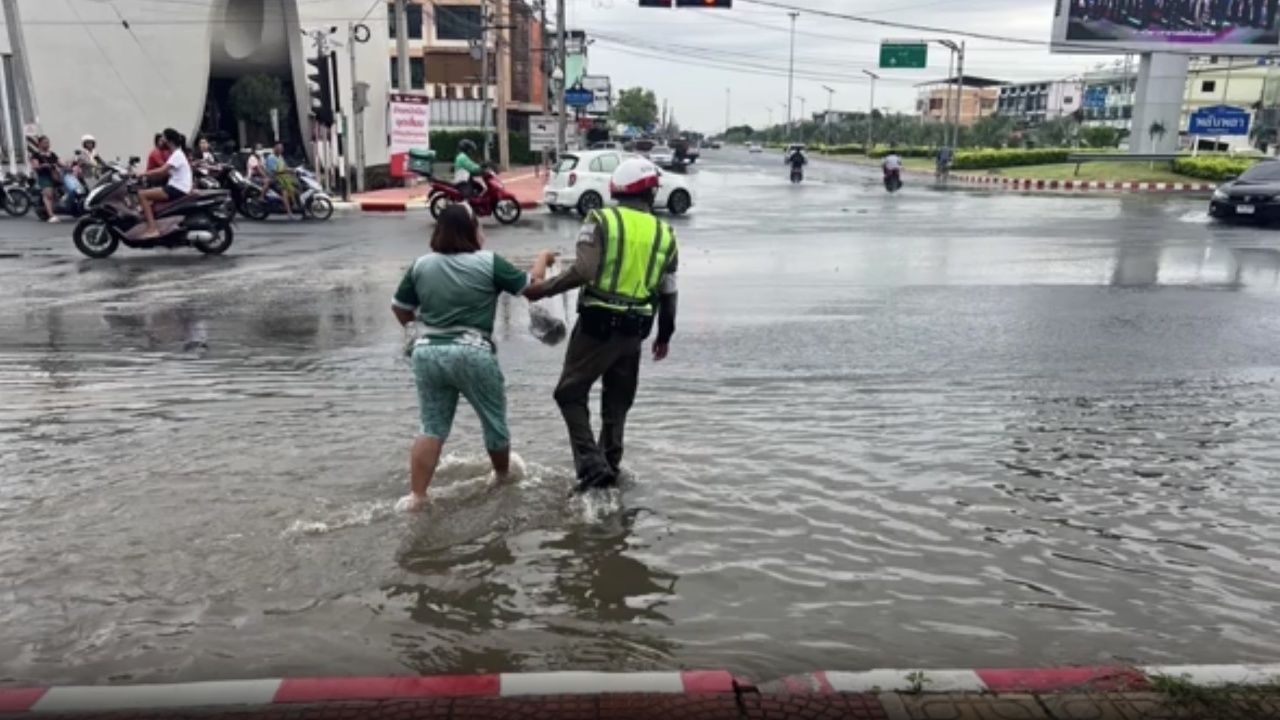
column 176, row 170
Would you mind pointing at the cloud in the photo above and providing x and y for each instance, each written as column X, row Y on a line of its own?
column 690, row 57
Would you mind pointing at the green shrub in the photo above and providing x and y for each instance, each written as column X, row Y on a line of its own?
column 915, row 151
column 984, row 159
column 843, row 150
column 445, row 143
column 1212, row 168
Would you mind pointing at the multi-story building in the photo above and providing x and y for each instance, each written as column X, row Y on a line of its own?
column 976, row 98
column 1109, row 93
column 1032, row 103
column 445, row 61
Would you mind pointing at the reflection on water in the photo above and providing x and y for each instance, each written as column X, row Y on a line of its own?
column 945, row 446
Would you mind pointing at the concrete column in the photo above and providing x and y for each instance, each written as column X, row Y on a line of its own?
column 1162, row 82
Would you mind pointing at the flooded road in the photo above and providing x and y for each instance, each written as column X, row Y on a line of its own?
column 935, row 429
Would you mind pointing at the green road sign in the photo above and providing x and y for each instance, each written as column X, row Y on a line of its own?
column 903, row 55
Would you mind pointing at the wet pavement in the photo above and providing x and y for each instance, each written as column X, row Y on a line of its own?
column 936, row 429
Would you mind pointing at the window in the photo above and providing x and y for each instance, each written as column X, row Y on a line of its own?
column 413, row 12
column 417, row 73
column 604, row 164
column 1068, row 100
column 567, row 163
column 457, row 22
column 1262, row 172
column 1207, row 86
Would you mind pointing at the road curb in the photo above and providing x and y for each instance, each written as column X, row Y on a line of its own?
column 403, row 207
column 1078, row 185
column 701, row 683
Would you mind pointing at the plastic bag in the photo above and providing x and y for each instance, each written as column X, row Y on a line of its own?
column 544, row 323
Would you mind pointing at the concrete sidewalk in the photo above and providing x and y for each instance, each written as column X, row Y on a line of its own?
column 1235, row 692
column 522, row 182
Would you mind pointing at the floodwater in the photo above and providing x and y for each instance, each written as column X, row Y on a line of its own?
column 936, row 429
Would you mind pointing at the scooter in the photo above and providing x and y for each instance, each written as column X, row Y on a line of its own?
column 13, row 195
column 228, row 178
column 262, row 202
column 202, row 219
column 496, row 200
column 892, row 180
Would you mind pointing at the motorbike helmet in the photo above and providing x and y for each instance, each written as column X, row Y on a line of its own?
column 466, row 146
column 87, row 139
column 634, row 176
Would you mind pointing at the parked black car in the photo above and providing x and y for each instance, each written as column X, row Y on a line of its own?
column 1252, row 197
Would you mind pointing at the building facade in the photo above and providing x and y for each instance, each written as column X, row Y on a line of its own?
column 445, row 61
column 122, row 71
column 939, row 104
column 1035, row 102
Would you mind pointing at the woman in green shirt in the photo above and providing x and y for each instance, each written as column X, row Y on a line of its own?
column 453, row 292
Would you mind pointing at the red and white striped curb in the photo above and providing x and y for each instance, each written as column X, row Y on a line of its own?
column 1025, row 184
column 1046, row 680
column 325, row 690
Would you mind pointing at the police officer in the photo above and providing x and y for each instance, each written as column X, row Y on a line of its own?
column 626, row 266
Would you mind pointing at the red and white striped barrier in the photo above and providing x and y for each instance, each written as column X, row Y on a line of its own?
column 553, row 685
column 1025, row 184
column 328, row 690
column 1032, row 680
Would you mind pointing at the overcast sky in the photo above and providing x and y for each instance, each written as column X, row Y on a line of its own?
column 689, row 57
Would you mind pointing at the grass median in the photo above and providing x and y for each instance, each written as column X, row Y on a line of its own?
column 1160, row 172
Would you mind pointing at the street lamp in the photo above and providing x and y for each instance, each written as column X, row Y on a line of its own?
column 830, row 93
column 871, row 106
column 800, row 125
column 957, row 52
column 769, row 130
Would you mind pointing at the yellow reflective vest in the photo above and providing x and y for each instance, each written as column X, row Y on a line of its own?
column 637, row 248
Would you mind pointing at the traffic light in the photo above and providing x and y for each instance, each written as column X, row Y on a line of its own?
column 655, row 3
column 320, row 88
column 704, row 4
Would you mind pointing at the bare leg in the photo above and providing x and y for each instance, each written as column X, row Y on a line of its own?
column 145, row 199
column 47, row 196
column 501, row 460
column 423, row 460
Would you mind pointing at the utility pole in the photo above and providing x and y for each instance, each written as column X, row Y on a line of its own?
column 769, row 131
column 29, row 114
column 357, row 34
column 827, row 118
column 955, row 132
column 871, row 106
column 543, row 66
column 504, row 82
column 726, row 110
column 791, row 69
column 561, row 50
column 486, row 24
column 402, row 45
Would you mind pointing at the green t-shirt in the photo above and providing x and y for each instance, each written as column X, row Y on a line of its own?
column 456, row 296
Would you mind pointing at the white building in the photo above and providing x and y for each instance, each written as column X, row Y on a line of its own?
column 126, row 69
column 1032, row 103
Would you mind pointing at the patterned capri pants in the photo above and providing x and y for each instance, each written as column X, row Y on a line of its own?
column 443, row 372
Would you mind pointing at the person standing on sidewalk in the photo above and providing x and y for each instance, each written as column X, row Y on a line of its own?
column 626, row 266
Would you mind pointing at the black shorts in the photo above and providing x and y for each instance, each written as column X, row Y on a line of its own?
column 172, row 193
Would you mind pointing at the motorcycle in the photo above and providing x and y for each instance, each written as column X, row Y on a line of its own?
column 14, row 196
column 262, row 202
column 496, row 200
column 69, row 194
column 202, row 219
column 228, row 178
column 892, row 180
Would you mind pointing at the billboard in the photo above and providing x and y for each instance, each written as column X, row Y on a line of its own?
column 1218, row 27
column 408, row 126
column 602, row 92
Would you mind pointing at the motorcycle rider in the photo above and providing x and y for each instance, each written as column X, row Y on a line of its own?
column 176, row 172
column 626, row 266
column 282, row 176
column 88, row 163
column 892, row 166
column 943, row 162
column 466, row 172
column 797, row 159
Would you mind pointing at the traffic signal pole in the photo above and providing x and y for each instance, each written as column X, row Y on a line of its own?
column 561, row 54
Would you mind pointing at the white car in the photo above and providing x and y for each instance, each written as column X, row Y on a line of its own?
column 754, row 147
column 662, row 156
column 581, row 182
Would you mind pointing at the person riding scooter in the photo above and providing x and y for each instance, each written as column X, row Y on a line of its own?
column 797, row 161
column 467, row 172
column 892, row 167
column 176, row 172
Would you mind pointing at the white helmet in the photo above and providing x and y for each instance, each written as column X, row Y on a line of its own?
column 633, row 176
column 87, row 139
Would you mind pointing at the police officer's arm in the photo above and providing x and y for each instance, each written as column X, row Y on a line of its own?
column 585, row 263
column 666, row 306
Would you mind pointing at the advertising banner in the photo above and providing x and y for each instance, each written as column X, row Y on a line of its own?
column 408, row 126
column 1209, row 27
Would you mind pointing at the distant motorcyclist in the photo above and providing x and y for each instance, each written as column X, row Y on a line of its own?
column 466, row 172
column 943, row 161
column 892, row 167
column 797, row 158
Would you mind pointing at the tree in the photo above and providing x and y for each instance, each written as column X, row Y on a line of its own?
column 1100, row 136
column 1055, row 133
column 253, row 97
column 637, row 107
column 991, row 131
